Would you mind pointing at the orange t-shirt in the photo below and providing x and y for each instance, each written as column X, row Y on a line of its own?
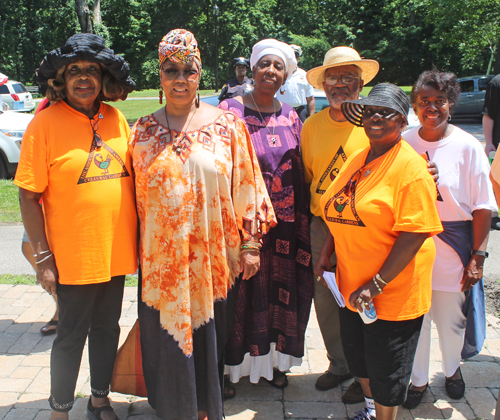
column 392, row 194
column 88, row 192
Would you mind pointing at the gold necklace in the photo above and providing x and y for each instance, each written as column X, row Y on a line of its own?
column 273, row 138
column 176, row 145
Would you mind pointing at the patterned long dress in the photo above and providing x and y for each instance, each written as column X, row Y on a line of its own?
column 273, row 307
column 193, row 196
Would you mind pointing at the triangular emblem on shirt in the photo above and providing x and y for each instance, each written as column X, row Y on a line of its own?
column 101, row 116
column 332, row 171
column 103, row 163
column 341, row 208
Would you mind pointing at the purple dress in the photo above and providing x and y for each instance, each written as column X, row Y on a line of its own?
column 274, row 305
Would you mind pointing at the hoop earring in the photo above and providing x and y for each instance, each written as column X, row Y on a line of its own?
column 160, row 93
column 197, row 100
column 449, row 118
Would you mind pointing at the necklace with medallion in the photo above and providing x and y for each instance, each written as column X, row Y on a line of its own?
column 273, row 137
column 176, row 147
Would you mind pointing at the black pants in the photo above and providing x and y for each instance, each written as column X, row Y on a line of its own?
column 91, row 310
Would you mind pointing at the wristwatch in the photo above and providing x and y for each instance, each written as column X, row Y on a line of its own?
column 480, row 253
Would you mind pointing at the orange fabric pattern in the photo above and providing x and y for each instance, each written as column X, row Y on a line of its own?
column 191, row 207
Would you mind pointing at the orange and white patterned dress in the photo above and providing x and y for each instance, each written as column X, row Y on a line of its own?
column 193, row 197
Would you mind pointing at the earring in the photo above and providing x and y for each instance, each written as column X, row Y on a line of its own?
column 161, row 96
column 449, row 118
column 197, row 100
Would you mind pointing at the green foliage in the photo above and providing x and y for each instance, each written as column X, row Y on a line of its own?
column 405, row 36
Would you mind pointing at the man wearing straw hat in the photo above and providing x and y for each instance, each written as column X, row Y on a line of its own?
column 327, row 141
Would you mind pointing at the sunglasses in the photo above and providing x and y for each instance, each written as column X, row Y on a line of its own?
column 346, row 80
column 97, row 138
column 188, row 74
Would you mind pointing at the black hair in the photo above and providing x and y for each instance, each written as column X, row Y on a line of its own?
column 443, row 81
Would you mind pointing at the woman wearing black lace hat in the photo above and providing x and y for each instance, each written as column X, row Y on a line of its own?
column 75, row 156
column 380, row 210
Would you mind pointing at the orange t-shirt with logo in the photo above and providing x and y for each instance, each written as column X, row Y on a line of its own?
column 392, row 194
column 326, row 144
column 87, row 191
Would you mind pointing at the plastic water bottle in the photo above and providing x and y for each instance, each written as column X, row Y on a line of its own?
column 368, row 315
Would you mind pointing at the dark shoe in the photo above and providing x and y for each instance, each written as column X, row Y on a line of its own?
column 229, row 392
column 455, row 388
column 362, row 415
column 329, row 380
column 354, row 394
column 414, row 398
column 49, row 328
column 278, row 381
column 495, row 223
column 94, row 413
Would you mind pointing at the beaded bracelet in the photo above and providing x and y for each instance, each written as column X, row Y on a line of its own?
column 380, row 279
column 251, row 245
column 249, row 250
column 376, row 284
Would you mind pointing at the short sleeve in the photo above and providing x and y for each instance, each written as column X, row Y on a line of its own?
column 32, row 170
column 249, row 193
column 414, row 203
column 481, row 194
column 491, row 99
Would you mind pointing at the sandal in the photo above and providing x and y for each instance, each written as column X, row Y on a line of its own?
column 278, row 376
column 455, row 388
column 94, row 413
column 47, row 330
column 414, row 397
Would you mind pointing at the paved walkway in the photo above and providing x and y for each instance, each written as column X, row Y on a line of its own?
column 24, row 374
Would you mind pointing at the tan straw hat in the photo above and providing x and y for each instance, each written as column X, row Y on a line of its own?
column 342, row 56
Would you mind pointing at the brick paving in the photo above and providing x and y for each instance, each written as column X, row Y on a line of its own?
column 25, row 358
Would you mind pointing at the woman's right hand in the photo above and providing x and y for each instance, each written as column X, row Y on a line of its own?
column 47, row 275
column 323, row 264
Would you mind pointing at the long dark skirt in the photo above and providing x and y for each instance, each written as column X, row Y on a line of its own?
column 180, row 386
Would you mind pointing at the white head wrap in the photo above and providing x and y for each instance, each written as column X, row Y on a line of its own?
column 278, row 48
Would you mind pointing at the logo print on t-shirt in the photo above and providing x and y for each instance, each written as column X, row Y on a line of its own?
column 330, row 171
column 341, row 208
column 99, row 168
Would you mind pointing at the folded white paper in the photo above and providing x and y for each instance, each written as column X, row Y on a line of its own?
column 332, row 285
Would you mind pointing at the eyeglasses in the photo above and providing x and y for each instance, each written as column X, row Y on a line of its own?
column 350, row 187
column 97, row 138
column 346, row 80
column 188, row 74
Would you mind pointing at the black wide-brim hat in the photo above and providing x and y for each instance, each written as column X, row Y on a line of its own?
column 383, row 94
column 88, row 47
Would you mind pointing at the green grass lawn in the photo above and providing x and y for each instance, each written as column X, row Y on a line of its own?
column 366, row 90
column 153, row 93
column 30, row 279
column 9, row 202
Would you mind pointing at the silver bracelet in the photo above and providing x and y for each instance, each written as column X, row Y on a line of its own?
column 41, row 253
column 380, row 279
column 44, row 259
column 376, row 284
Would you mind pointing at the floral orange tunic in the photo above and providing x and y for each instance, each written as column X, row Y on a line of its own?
column 192, row 199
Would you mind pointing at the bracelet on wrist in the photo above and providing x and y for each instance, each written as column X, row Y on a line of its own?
column 44, row 259
column 249, row 250
column 42, row 253
column 380, row 279
column 377, row 285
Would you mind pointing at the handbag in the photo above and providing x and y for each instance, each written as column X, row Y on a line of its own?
column 128, row 377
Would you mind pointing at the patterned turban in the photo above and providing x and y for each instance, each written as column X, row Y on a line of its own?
column 180, row 46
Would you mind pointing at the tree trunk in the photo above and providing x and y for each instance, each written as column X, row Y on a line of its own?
column 84, row 15
column 96, row 11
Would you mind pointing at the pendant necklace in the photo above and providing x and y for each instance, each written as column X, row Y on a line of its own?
column 273, row 138
column 176, row 147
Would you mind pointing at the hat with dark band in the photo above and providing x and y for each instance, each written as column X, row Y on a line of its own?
column 87, row 47
column 383, row 94
column 241, row 61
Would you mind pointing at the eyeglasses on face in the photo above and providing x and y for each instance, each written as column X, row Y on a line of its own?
column 173, row 74
column 346, row 80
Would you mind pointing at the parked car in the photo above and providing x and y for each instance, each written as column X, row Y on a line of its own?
column 17, row 98
column 12, row 128
column 470, row 104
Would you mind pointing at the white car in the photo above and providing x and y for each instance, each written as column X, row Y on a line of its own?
column 17, row 98
column 12, row 128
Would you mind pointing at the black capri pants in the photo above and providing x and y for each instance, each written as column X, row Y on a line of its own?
column 383, row 352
